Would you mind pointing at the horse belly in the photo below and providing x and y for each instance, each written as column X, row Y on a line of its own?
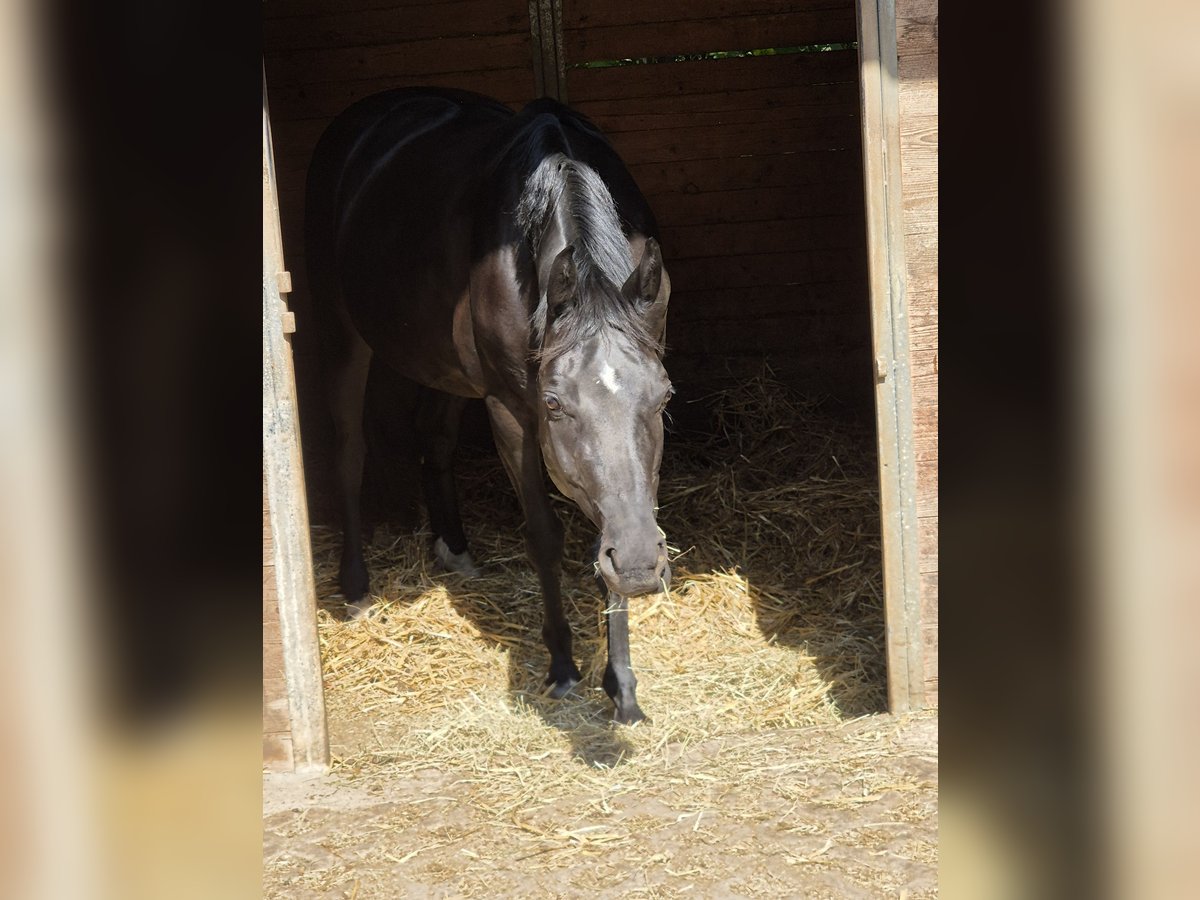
column 426, row 339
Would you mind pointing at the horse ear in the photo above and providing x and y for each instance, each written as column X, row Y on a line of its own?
column 648, row 288
column 564, row 281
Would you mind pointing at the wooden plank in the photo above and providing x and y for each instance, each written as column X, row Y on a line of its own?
column 812, row 336
column 756, row 204
column 922, row 330
column 925, row 446
column 280, row 9
column 775, row 236
column 917, row 39
column 929, row 597
column 929, row 634
column 546, row 48
column 427, row 58
column 711, row 76
column 270, row 605
column 920, row 212
column 273, row 662
column 512, row 85
column 335, row 26
column 925, row 366
column 921, row 253
column 288, row 506
column 792, row 116
column 920, row 166
column 919, row 147
column 635, row 38
column 926, row 450
column 294, row 136
column 760, row 310
column 894, row 390
column 918, row 97
column 579, row 14
column 923, row 303
column 671, row 144
column 277, row 753
column 842, row 94
column 778, row 135
column 755, row 270
column 924, row 362
column 783, row 170
column 928, row 529
column 276, row 714
column 927, row 488
column 832, row 298
column 919, row 132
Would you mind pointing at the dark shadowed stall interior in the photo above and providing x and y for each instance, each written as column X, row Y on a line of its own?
column 752, row 163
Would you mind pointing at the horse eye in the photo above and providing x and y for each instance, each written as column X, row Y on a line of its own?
column 552, row 403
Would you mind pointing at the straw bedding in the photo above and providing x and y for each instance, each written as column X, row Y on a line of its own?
column 773, row 620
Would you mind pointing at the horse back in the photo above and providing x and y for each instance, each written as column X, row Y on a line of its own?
column 388, row 239
column 410, row 192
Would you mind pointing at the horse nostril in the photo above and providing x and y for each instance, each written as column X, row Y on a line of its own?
column 611, row 553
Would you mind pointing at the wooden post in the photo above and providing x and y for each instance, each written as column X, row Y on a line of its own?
column 549, row 67
column 286, row 499
column 889, row 327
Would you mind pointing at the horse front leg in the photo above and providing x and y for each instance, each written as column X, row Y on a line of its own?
column 619, row 681
column 517, row 443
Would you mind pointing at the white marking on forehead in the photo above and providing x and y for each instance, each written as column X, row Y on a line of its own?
column 608, row 377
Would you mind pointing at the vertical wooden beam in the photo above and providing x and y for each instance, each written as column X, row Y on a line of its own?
column 889, row 327
column 286, row 498
column 549, row 66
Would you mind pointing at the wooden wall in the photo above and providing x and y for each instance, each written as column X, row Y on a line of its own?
column 753, row 166
column 277, row 729
column 754, row 169
column 917, row 51
column 323, row 55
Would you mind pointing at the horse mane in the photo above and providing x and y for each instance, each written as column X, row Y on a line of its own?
column 601, row 251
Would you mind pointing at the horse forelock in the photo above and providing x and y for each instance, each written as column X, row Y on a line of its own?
column 601, row 251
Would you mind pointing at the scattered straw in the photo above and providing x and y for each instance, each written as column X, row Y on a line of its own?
column 773, row 620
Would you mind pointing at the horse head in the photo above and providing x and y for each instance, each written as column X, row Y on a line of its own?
column 603, row 390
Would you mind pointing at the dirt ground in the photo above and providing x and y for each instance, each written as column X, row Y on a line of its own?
column 829, row 811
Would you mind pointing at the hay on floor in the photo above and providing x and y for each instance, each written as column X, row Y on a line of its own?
column 774, row 617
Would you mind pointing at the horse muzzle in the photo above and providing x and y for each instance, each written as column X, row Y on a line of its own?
column 635, row 568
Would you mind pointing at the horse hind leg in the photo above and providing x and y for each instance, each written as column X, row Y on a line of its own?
column 347, row 394
column 438, row 418
column 392, row 475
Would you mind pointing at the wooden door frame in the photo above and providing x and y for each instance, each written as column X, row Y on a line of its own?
column 284, row 469
column 879, row 99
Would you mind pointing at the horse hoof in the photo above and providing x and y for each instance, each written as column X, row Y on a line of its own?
column 556, row 690
column 455, row 562
column 629, row 716
column 360, row 609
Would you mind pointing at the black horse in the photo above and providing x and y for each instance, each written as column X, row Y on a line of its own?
column 509, row 257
